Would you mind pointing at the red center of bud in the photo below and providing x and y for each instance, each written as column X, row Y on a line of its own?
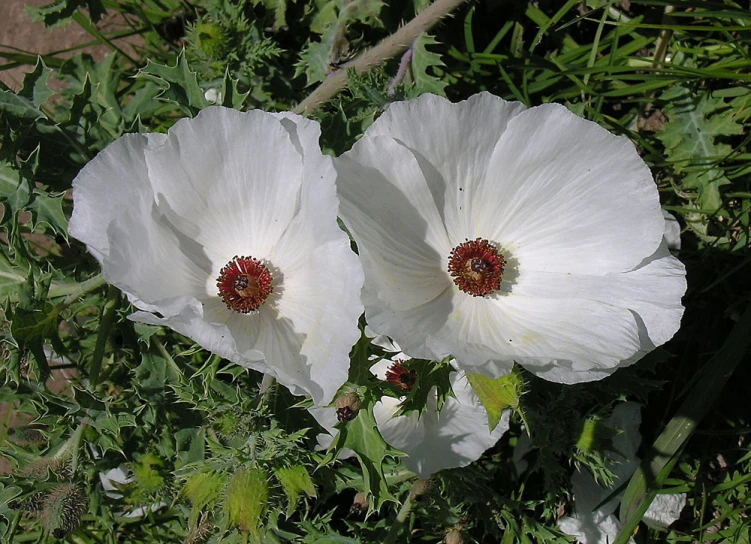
column 477, row 267
column 404, row 378
column 244, row 283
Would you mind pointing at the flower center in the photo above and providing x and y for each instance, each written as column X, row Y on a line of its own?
column 401, row 376
column 244, row 283
column 477, row 267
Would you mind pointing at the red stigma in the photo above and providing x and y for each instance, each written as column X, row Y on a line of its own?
column 401, row 376
column 477, row 267
column 244, row 283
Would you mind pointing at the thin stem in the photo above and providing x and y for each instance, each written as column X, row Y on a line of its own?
column 388, row 48
column 267, row 387
column 170, row 361
column 401, row 518
column 105, row 324
column 74, row 292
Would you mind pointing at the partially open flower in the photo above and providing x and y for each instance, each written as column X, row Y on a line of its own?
column 500, row 234
column 434, row 440
column 225, row 230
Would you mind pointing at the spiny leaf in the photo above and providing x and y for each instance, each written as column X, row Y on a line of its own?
column 361, row 436
column 497, row 394
column 692, row 127
column 295, row 480
column 178, row 83
column 246, row 499
column 59, row 12
column 319, row 58
column 426, row 67
column 35, row 87
column 203, row 490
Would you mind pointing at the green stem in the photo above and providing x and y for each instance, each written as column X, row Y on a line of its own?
column 388, row 48
column 80, row 18
column 170, row 361
column 267, row 388
column 74, row 292
column 401, row 517
column 105, row 324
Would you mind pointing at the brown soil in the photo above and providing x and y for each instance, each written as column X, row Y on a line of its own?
column 19, row 34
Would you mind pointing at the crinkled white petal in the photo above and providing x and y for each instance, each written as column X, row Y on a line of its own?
column 434, row 441
column 564, row 195
column 228, row 180
column 387, row 202
column 592, row 528
column 664, row 510
column 588, row 285
column 453, row 144
column 112, row 478
column 164, row 214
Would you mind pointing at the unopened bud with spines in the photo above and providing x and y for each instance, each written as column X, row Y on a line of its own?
column 347, row 407
column 62, row 509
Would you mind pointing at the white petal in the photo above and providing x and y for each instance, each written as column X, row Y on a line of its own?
column 487, row 335
column 388, row 207
column 455, row 437
column 115, row 215
column 228, row 180
column 409, row 328
column 115, row 178
column 453, row 143
column 664, row 510
column 592, row 528
column 652, row 291
column 562, row 194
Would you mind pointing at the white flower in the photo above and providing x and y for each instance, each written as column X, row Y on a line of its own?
column 454, row 437
column 225, row 230
column 593, row 521
column 496, row 234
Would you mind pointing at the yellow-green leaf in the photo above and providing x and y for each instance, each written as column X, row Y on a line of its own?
column 497, row 394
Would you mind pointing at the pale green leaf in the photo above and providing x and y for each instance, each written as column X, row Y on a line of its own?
column 497, row 394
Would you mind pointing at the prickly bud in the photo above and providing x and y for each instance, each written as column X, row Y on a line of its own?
column 246, row 498
column 62, row 509
column 212, row 39
column 347, row 407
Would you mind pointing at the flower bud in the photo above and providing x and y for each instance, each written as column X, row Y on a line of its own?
column 62, row 509
column 420, row 489
column 360, row 503
column 347, row 407
column 453, row 537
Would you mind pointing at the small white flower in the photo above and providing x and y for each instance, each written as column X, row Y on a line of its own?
column 225, row 230
column 496, row 233
column 454, row 437
column 594, row 522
